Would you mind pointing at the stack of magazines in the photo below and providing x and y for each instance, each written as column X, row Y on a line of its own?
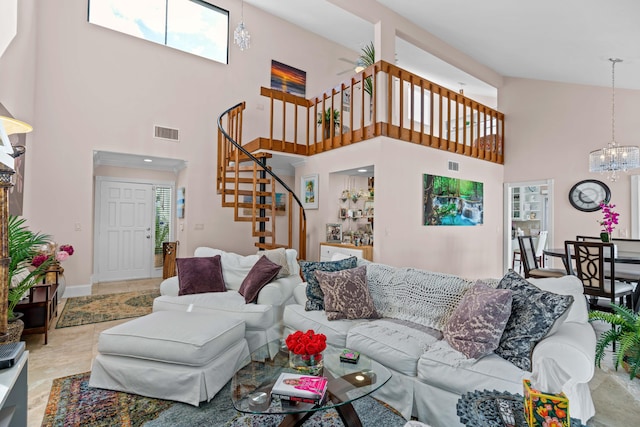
column 300, row 388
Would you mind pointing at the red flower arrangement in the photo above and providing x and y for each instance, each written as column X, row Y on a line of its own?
column 306, row 343
column 59, row 253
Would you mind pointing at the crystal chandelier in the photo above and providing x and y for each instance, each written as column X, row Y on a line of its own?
column 241, row 35
column 614, row 157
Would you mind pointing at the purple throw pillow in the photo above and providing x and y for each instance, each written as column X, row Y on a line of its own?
column 200, row 274
column 262, row 272
column 477, row 323
column 346, row 294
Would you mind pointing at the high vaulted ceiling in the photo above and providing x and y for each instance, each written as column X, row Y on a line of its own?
column 565, row 41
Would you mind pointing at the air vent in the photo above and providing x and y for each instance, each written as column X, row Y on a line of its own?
column 166, row 133
column 454, row 166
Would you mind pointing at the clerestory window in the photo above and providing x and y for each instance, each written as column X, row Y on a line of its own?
column 193, row 26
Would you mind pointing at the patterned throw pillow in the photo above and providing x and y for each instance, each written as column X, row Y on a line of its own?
column 477, row 323
column 200, row 274
column 346, row 294
column 315, row 297
column 262, row 272
column 278, row 256
column 533, row 313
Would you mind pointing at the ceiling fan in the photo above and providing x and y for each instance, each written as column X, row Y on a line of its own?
column 353, row 68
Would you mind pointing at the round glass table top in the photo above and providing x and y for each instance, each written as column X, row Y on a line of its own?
column 251, row 385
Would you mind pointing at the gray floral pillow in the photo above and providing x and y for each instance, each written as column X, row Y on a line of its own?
column 346, row 294
column 533, row 313
column 477, row 323
column 315, row 297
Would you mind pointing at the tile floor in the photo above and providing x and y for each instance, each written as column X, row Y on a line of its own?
column 72, row 350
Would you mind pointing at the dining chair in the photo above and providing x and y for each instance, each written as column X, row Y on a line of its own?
column 595, row 267
column 530, row 261
column 542, row 241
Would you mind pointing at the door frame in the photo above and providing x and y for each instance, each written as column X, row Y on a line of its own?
column 99, row 180
column 507, row 213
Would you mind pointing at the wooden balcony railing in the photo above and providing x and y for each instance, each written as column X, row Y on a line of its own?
column 383, row 100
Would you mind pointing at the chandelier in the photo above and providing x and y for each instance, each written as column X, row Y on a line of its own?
column 614, row 157
column 241, row 35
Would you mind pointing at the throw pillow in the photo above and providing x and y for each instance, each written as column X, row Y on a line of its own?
column 260, row 274
column 315, row 297
column 200, row 274
column 477, row 323
column 278, row 256
column 533, row 313
column 346, row 294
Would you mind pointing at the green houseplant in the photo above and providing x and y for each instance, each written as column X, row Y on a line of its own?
column 326, row 117
column 625, row 332
column 24, row 244
column 368, row 58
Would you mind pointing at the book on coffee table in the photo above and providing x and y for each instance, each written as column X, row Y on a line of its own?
column 300, row 388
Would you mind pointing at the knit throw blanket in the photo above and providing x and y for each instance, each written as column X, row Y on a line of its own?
column 414, row 295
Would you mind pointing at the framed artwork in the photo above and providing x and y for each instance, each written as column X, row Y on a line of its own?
column 334, row 233
column 451, row 201
column 281, row 204
column 288, row 79
column 309, row 191
column 180, row 203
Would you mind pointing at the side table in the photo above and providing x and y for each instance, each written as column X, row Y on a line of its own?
column 39, row 309
column 480, row 408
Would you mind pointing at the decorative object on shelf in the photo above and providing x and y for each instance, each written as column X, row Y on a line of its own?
column 241, row 35
column 614, row 158
column 309, row 190
column 626, row 332
column 305, row 351
column 588, row 194
column 608, row 222
column 334, row 233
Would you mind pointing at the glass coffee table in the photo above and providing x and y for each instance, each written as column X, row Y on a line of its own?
column 251, row 385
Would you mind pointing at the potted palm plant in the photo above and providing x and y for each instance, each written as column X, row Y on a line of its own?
column 368, row 58
column 625, row 331
column 24, row 244
column 326, row 117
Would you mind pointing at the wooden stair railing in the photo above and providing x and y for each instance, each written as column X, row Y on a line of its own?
column 248, row 185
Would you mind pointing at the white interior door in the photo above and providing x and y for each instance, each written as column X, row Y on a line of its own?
column 125, row 231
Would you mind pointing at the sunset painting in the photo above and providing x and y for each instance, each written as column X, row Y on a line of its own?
column 288, row 79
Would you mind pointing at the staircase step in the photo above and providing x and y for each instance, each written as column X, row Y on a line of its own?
column 246, row 192
column 250, row 219
column 270, row 246
column 250, row 206
column 262, row 233
column 244, row 168
column 248, row 180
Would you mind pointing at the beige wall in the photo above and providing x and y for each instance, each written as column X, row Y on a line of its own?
column 550, row 130
column 96, row 89
column 399, row 237
column 86, row 88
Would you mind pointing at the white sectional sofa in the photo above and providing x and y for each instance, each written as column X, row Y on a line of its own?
column 429, row 376
column 263, row 320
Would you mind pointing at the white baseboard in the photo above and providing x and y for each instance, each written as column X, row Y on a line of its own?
column 77, row 291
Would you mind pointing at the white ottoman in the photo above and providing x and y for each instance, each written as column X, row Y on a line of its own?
column 173, row 355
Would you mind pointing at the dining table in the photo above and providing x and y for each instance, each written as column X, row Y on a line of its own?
column 627, row 263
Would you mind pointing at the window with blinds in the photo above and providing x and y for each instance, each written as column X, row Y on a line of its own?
column 163, row 220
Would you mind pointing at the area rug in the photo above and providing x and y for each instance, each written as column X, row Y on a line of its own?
column 73, row 403
column 104, row 308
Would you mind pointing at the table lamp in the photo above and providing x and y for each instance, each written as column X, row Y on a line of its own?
column 8, row 153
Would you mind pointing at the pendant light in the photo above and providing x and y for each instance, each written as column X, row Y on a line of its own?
column 614, row 158
column 241, row 35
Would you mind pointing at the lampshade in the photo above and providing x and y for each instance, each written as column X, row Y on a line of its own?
column 12, row 126
column 614, row 158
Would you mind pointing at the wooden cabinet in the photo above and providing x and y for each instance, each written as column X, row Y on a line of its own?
column 327, row 250
column 39, row 309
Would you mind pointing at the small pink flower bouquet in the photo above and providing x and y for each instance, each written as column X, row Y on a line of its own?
column 58, row 253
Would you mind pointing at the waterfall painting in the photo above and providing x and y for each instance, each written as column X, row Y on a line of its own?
column 451, row 201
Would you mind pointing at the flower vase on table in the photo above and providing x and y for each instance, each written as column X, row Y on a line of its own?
column 305, row 351
column 309, row 364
